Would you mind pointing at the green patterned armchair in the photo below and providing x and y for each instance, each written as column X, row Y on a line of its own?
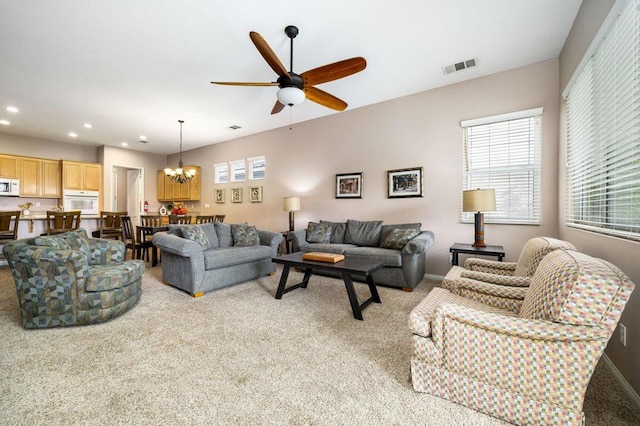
column 502, row 284
column 71, row 279
column 526, row 367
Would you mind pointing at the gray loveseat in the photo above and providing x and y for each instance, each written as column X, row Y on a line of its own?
column 401, row 247
column 205, row 257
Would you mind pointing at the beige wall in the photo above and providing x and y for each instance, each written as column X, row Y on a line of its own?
column 421, row 130
column 622, row 253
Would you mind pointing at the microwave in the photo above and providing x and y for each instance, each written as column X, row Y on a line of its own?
column 85, row 201
column 10, row 187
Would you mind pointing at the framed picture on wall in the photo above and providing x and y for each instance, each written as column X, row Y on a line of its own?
column 255, row 194
column 236, row 195
column 220, row 196
column 404, row 183
column 349, row 185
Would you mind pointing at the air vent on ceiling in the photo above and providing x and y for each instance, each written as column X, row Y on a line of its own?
column 469, row 63
column 235, row 127
column 143, row 141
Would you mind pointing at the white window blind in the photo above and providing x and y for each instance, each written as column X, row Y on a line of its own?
column 503, row 152
column 221, row 173
column 257, row 167
column 603, row 133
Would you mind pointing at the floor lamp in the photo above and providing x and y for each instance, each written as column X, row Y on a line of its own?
column 478, row 201
column 291, row 204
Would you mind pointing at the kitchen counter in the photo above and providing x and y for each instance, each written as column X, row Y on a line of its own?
column 34, row 224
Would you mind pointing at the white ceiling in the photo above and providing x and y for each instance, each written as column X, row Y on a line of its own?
column 135, row 67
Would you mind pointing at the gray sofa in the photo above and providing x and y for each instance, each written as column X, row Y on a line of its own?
column 401, row 247
column 205, row 257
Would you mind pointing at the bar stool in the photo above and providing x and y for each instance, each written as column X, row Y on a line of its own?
column 60, row 222
column 8, row 218
column 110, row 225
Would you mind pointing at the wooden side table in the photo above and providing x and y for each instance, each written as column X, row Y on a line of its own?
column 288, row 242
column 458, row 248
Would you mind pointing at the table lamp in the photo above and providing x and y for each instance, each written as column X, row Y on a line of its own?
column 291, row 204
column 478, row 201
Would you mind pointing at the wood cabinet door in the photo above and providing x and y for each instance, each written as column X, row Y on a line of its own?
column 92, row 177
column 30, row 177
column 194, row 186
column 160, row 185
column 72, row 175
column 9, row 166
column 50, row 179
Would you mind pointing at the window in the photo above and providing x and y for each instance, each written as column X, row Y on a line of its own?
column 221, row 173
column 238, row 171
column 503, row 152
column 603, row 131
column 257, row 167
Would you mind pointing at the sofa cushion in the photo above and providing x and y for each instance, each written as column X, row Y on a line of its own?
column 337, row 231
column 325, row 248
column 386, row 229
column 196, row 233
column 53, row 241
column 363, row 233
column 390, row 257
column 78, row 240
column 397, row 238
column 231, row 256
column 319, row 233
column 223, row 231
column 111, row 277
column 245, row 235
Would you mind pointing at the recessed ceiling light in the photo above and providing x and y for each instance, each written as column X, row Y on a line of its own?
column 124, row 144
column 88, row 126
column 4, row 122
column 12, row 109
column 143, row 138
column 73, row 135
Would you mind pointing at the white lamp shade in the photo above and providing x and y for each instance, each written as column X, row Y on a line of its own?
column 290, row 96
column 479, row 200
column 291, row 204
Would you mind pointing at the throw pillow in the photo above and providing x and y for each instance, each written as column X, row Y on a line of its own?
column 337, row 231
column 223, row 230
column 366, row 234
column 397, row 238
column 319, row 233
column 386, row 229
column 196, row 233
column 245, row 235
column 55, row 242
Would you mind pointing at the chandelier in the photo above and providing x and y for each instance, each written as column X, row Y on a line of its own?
column 180, row 175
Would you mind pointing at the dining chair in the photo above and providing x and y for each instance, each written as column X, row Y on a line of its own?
column 60, row 222
column 182, row 220
column 145, row 236
column 219, row 218
column 130, row 242
column 9, row 225
column 110, row 224
column 205, row 219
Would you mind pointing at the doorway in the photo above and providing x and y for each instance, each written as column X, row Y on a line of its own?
column 128, row 191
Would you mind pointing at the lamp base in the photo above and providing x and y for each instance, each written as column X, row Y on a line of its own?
column 479, row 230
column 291, row 222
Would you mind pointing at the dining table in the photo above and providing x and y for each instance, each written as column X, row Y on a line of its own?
column 144, row 231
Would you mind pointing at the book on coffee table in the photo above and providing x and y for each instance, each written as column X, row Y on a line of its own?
column 323, row 257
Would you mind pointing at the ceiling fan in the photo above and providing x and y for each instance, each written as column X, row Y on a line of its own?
column 295, row 88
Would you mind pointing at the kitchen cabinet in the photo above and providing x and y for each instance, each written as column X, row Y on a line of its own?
column 9, row 167
column 83, row 176
column 39, row 178
column 166, row 190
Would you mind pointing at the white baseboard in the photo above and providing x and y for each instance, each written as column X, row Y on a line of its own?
column 626, row 387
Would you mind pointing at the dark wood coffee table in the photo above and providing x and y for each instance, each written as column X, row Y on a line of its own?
column 345, row 269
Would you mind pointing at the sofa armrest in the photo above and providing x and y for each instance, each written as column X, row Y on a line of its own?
column 271, row 239
column 177, row 245
column 104, row 251
column 490, row 266
column 298, row 238
column 419, row 244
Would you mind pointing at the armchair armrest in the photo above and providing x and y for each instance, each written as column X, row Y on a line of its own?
column 504, row 280
column 104, row 251
column 490, row 266
column 496, row 295
column 271, row 239
column 420, row 243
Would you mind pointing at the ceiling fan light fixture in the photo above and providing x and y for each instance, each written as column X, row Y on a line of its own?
column 290, row 96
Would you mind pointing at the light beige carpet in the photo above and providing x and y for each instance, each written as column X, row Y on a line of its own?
column 236, row 356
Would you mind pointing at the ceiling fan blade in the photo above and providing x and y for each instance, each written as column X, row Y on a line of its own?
column 333, row 71
column 268, row 54
column 325, row 99
column 277, row 107
column 239, row 83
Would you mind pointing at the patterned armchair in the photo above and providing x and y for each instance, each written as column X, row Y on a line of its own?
column 70, row 279
column 502, row 284
column 526, row 367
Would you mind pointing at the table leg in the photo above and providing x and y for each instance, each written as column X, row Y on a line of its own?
column 353, row 298
column 154, row 255
column 454, row 258
column 283, row 281
column 374, row 291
